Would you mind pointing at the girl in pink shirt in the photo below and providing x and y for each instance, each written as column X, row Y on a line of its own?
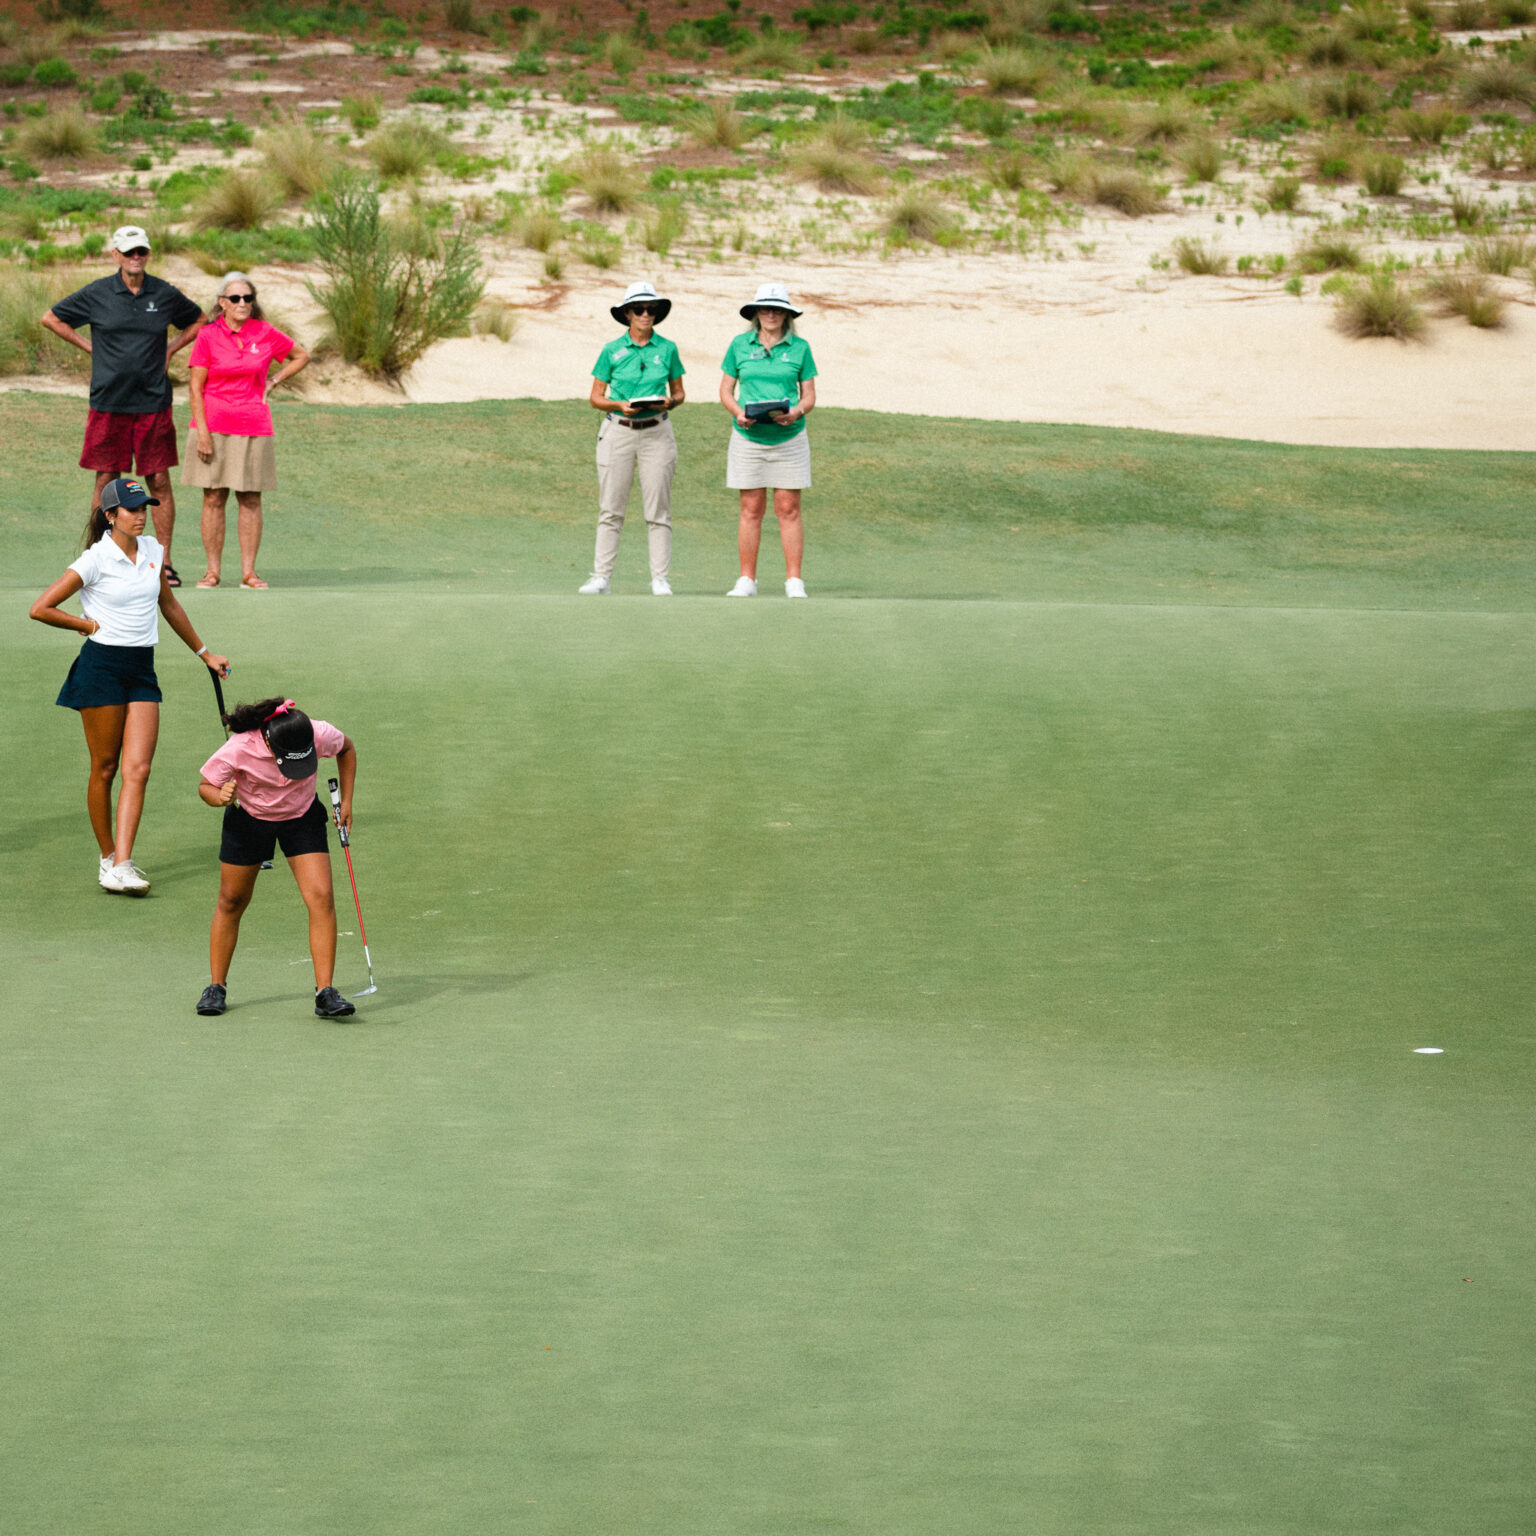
column 231, row 447
column 264, row 777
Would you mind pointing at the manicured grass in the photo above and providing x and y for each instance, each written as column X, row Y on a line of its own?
column 884, row 1065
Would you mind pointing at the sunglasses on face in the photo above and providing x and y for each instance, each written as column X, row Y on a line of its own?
column 138, row 250
column 238, row 298
column 642, row 309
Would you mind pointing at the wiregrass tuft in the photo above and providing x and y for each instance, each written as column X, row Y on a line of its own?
column 609, row 180
column 1378, row 306
column 1201, row 258
column 1501, row 255
column 25, row 347
column 495, row 317
column 1472, row 297
column 1201, row 160
column 1426, row 125
column 65, row 134
column 1499, row 80
column 1326, row 252
column 1127, row 192
column 716, row 125
column 1283, row 193
column 540, row 229
column 1382, row 174
column 237, row 200
column 919, row 214
column 1014, row 71
column 406, row 147
column 297, row 158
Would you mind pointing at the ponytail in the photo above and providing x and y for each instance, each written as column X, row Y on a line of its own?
column 251, row 717
column 95, row 526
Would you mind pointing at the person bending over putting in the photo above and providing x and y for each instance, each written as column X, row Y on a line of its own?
column 264, row 777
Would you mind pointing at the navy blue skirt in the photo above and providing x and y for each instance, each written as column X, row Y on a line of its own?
column 110, row 674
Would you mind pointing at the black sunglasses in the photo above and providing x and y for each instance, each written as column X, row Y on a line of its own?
column 238, row 298
column 138, row 250
column 642, row 309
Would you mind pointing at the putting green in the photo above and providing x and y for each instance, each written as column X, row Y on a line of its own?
column 881, row 1065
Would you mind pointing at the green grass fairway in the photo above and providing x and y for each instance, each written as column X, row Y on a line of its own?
column 935, row 1060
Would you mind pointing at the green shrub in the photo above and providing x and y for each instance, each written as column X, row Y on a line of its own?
column 25, row 347
column 716, row 125
column 1010, row 71
column 1201, row 160
column 1426, row 125
column 1125, row 191
column 1382, row 174
column 54, row 75
column 610, row 181
column 297, row 158
column 540, row 229
column 1499, row 80
column 1501, row 255
column 62, row 135
column 459, row 15
column 406, row 147
column 918, row 214
column 1283, row 194
column 665, row 223
column 388, row 298
column 1347, row 96
column 1202, row 258
column 237, row 200
column 1473, row 298
column 362, row 111
column 1282, row 101
column 1378, row 306
column 1326, row 252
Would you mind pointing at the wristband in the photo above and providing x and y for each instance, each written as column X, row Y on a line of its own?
column 201, row 651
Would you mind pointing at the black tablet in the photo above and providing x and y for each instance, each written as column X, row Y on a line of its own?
column 760, row 410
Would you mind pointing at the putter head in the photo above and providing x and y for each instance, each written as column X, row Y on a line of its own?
column 365, row 991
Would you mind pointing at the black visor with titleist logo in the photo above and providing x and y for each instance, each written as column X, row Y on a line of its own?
column 291, row 736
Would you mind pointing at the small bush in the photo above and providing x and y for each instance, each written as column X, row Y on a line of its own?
column 25, row 347
column 620, row 54
column 1379, row 306
column 297, row 158
column 1009, row 171
column 1501, row 255
column 665, row 224
column 406, row 148
column 495, row 317
column 1466, row 15
column 1499, row 80
column 1370, row 23
column 716, row 125
column 1382, row 174
column 1473, row 298
column 54, row 75
column 362, row 112
column 1283, row 194
column 237, row 200
column 540, row 34
column 554, row 266
column 600, row 249
column 1126, row 192
column 1283, row 101
column 540, row 229
column 772, row 51
column 1166, row 121
column 841, row 130
column 459, row 15
column 1467, row 211
column 918, row 214
column 1333, row 158
column 388, row 300
column 610, row 182
column 1009, row 71
column 1347, row 96
column 834, row 169
column 1426, row 125
column 1201, row 160
column 62, row 135
column 1332, row 46
column 1202, row 258
column 1072, row 173
column 1325, row 252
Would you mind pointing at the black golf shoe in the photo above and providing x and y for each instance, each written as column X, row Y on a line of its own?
column 330, row 1004
column 211, row 1002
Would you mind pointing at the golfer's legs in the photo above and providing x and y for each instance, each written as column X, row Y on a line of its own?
column 141, row 732
column 237, row 884
column 104, row 724
column 313, row 873
column 658, row 464
column 616, row 450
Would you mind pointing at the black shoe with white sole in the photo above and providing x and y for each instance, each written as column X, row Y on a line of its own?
column 211, row 1003
column 330, row 1004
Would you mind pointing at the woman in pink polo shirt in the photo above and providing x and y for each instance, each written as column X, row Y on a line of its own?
column 231, row 447
column 264, row 777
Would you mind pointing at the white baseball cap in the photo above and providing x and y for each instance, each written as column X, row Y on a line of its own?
column 637, row 293
column 128, row 238
column 770, row 296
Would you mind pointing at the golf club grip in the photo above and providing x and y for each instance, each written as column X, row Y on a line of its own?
column 218, row 693
column 341, row 831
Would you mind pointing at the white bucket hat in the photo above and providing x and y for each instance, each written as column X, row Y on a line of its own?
column 128, row 238
column 633, row 294
column 771, row 296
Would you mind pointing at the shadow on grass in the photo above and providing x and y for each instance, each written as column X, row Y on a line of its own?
column 396, row 993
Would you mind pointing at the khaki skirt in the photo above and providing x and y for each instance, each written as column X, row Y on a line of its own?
column 751, row 466
column 238, row 464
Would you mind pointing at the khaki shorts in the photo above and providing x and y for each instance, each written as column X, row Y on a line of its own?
column 238, row 464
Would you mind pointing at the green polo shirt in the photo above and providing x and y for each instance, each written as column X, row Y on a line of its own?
column 638, row 372
column 762, row 374
column 128, row 340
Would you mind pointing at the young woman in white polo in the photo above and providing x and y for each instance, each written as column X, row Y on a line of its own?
column 121, row 579
column 766, row 364
column 634, row 438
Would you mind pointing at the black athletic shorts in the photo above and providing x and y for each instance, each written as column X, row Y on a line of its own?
column 110, row 674
column 250, row 841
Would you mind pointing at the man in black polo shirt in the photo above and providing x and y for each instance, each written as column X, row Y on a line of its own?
column 129, row 424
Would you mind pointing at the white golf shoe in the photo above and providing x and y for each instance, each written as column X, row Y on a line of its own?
column 594, row 586
column 794, row 587
column 105, row 878
column 126, row 878
column 745, row 587
column 661, row 587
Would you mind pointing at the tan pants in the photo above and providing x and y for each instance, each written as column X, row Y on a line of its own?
column 620, row 452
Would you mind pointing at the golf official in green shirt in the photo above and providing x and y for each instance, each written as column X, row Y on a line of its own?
column 636, row 382
column 768, row 384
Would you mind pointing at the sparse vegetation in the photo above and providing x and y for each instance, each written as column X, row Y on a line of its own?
column 1201, row 160
column 406, row 147
column 387, row 299
column 1378, row 306
column 1012, row 71
column 716, row 125
column 833, row 157
column 495, row 317
column 297, row 158
column 1467, row 211
column 1126, row 191
column 1327, row 252
column 1283, row 194
column 362, row 111
column 62, row 135
column 620, row 54
column 1501, row 255
column 540, row 229
column 665, row 224
column 1499, row 80
column 919, row 214
column 608, row 179
column 25, row 347
column 773, row 51
column 1165, row 121
column 1202, row 258
column 237, row 200
column 1472, row 297
column 1426, row 125
column 1382, row 174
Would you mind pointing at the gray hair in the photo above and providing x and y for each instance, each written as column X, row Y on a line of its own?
column 235, row 277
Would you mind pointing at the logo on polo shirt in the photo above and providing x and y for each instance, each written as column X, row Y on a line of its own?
column 150, row 309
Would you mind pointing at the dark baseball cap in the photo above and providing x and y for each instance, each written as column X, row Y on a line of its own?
column 291, row 735
column 128, row 494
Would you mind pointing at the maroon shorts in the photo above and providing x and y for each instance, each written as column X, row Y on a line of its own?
column 121, row 444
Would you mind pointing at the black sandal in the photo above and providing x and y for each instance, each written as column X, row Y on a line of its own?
column 171, row 578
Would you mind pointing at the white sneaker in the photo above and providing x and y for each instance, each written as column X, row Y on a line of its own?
column 794, row 587
column 594, row 586
column 661, row 587
column 105, row 878
column 126, row 877
column 745, row 587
